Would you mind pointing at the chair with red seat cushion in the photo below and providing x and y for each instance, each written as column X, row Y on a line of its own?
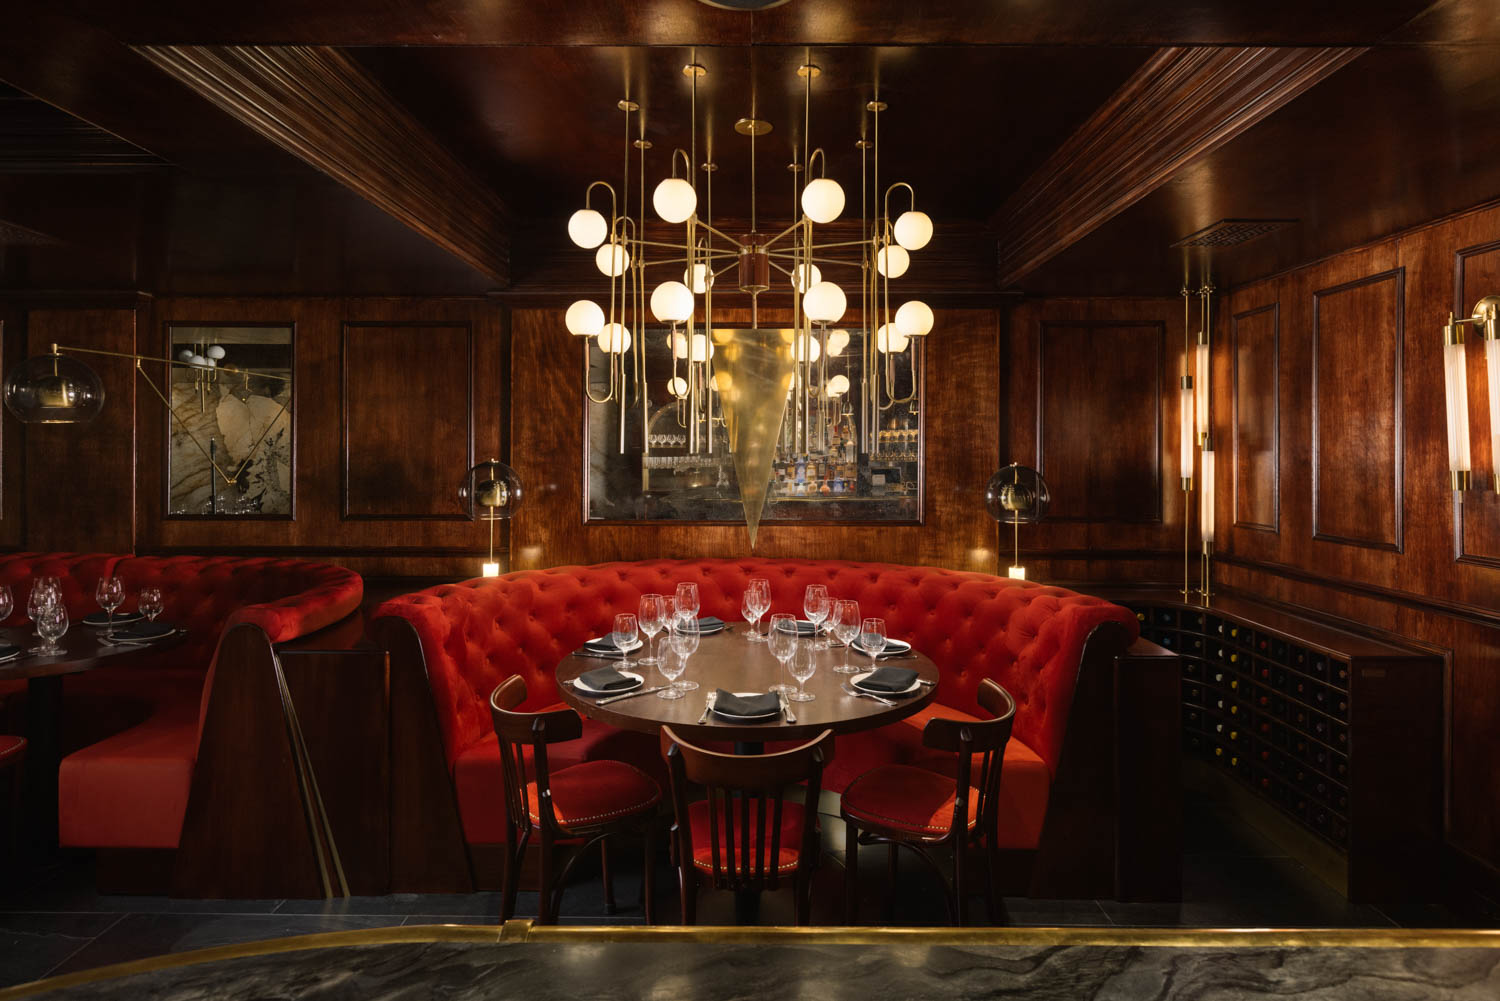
column 921, row 808
column 744, row 835
column 591, row 801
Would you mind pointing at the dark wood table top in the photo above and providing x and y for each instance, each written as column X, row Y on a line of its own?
column 83, row 648
column 729, row 661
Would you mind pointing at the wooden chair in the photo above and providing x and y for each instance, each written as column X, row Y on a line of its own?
column 592, row 801
column 744, row 836
column 12, row 760
column 922, row 809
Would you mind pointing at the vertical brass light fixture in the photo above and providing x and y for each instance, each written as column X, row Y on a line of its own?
column 1188, row 411
column 1205, row 437
column 1456, row 385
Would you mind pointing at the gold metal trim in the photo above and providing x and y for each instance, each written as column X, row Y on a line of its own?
column 1460, row 479
column 752, row 127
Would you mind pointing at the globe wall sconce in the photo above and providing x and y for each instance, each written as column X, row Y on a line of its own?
column 490, row 492
column 1017, row 495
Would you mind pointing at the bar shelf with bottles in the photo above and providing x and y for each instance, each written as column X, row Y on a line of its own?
column 1339, row 733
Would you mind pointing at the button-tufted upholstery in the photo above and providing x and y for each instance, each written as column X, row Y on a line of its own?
column 130, row 790
column 1028, row 637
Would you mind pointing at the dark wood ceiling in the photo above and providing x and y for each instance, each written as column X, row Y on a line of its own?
column 981, row 96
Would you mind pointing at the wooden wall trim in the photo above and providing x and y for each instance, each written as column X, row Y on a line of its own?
column 320, row 105
column 1397, row 274
column 1182, row 104
column 1234, row 361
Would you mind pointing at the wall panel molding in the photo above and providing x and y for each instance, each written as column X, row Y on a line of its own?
column 1245, row 504
column 1344, row 493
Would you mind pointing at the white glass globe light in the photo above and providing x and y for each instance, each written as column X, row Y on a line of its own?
column 807, row 348
column 824, row 302
column 699, row 278
column 587, row 228
column 677, row 386
column 612, row 259
column 216, row 352
column 702, row 350
column 198, row 361
column 913, row 230
column 584, row 318
column 802, row 271
column 823, row 200
column 674, row 200
column 889, row 340
column 671, row 302
column 185, row 355
column 838, row 385
column 614, row 339
column 914, row 319
column 838, row 340
column 892, row 261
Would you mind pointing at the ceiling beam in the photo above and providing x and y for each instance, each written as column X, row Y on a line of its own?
column 321, row 106
column 1182, row 104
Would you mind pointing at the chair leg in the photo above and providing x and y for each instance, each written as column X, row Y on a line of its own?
column 801, row 899
column 851, row 873
column 648, row 879
column 892, row 864
column 544, row 911
column 961, row 898
column 998, row 914
column 512, row 878
column 609, row 880
column 687, row 887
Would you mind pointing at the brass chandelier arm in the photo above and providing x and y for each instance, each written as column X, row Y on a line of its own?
column 171, row 362
column 784, row 234
column 866, row 243
column 720, row 233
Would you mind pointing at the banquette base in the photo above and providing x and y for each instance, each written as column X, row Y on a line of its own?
column 1103, row 703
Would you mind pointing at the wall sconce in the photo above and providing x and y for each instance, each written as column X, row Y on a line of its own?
column 1015, row 495
column 1206, row 517
column 490, row 491
column 1203, row 357
column 1456, row 384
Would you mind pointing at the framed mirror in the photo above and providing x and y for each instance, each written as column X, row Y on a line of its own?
column 230, row 440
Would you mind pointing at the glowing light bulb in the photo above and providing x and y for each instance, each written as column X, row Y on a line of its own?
column 892, row 261
column 913, row 230
column 584, row 318
column 614, row 339
column 824, row 302
column 587, row 228
column 674, row 200
column 914, row 319
column 823, row 200
column 612, row 259
column 671, row 302
column 838, row 340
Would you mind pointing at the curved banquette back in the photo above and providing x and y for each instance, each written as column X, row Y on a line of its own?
column 1028, row 637
column 203, row 594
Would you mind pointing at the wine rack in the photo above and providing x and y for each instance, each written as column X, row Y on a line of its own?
column 1339, row 734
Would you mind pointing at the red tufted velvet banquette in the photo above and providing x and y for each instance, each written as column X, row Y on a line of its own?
column 130, row 789
column 1028, row 637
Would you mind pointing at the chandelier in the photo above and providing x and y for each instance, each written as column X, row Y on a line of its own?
column 704, row 257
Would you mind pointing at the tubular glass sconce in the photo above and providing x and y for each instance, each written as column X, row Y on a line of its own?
column 1456, row 382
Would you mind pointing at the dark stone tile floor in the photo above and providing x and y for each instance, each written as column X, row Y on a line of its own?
column 52, row 921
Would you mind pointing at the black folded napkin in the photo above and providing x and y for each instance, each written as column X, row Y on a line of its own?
column 893, row 648
column 606, row 679
column 804, row 628
column 145, row 631
column 746, row 705
column 606, row 645
column 8, row 650
column 121, row 618
column 889, row 679
column 709, row 623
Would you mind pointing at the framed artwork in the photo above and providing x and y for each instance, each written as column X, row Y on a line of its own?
column 230, row 440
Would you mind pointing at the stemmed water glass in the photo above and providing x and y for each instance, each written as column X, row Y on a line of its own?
column 804, row 664
column 44, row 594
column 671, row 664
column 150, row 604
column 683, row 640
column 7, row 602
column 110, row 594
column 872, row 638
column 815, row 605
column 758, row 602
column 624, row 635
column 782, row 638
column 846, row 627
column 51, row 624
column 652, row 616
column 687, row 600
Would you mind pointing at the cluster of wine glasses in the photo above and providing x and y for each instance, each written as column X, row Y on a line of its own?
column 840, row 617
column 44, row 607
column 677, row 616
column 797, row 658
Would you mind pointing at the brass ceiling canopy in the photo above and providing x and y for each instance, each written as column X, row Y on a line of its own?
column 746, row 5
column 1233, row 232
column 752, row 127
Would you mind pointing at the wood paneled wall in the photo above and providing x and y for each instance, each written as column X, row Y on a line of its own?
column 394, row 399
column 1329, row 386
column 962, row 410
column 1091, row 400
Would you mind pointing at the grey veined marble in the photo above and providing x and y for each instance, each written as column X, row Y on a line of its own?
column 668, row 971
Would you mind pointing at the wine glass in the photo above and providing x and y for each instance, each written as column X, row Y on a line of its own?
column 846, row 628
column 815, row 606
column 872, row 638
column 687, row 600
column 150, row 603
column 671, row 664
column 652, row 616
column 7, row 602
column 110, row 594
column 760, row 591
column 624, row 635
column 684, row 640
column 782, row 638
column 804, row 665
column 51, row 624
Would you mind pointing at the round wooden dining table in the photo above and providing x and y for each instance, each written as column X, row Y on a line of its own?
column 84, row 648
column 730, row 661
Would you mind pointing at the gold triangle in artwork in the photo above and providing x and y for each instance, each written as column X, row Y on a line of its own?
column 753, row 372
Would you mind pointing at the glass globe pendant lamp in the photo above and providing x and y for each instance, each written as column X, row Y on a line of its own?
column 913, row 230
column 892, row 261
column 824, row 303
column 584, row 318
column 671, row 302
column 587, row 228
column 823, row 200
column 914, row 319
column 53, row 389
column 674, row 200
column 490, row 492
